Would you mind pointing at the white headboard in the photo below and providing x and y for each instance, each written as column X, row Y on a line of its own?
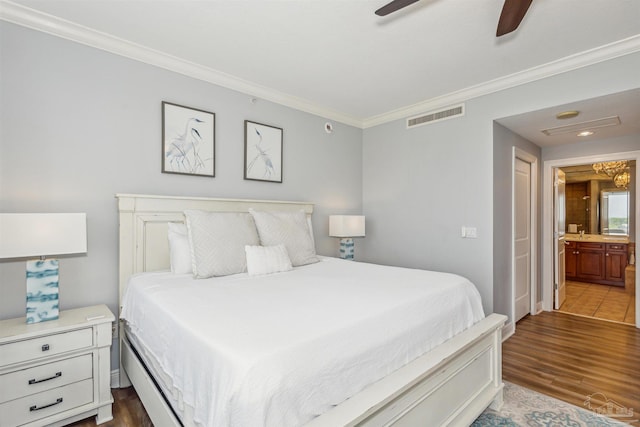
column 143, row 240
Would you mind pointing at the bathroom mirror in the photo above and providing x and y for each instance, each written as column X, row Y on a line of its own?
column 588, row 203
column 614, row 212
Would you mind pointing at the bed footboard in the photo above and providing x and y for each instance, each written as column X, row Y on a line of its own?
column 449, row 386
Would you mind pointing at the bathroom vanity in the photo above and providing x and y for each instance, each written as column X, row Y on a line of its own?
column 596, row 259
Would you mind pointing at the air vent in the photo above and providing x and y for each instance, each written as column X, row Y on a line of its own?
column 582, row 126
column 436, row 116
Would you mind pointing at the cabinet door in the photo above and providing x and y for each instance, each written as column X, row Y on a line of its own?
column 571, row 261
column 615, row 263
column 590, row 263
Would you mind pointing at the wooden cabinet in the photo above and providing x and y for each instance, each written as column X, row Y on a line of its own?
column 596, row 262
column 56, row 372
column 591, row 261
column 571, row 260
column 615, row 263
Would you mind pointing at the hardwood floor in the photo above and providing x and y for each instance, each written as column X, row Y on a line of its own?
column 127, row 411
column 567, row 357
column 600, row 301
column 572, row 358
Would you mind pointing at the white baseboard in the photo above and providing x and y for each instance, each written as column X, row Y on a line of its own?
column 115, row 378
column 507, row 330
column 539, row 307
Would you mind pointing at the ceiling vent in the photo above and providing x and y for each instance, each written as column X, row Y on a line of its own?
column 583, row 126
column 435, row 116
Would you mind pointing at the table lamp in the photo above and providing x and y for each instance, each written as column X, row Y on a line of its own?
column 346, row 227
column 41, row 235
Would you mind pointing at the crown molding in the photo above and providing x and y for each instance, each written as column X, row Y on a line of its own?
column 573, row 62
column 30, row 18
column 36, row 20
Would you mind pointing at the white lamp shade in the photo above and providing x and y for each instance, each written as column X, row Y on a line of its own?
column 346, row 225
column 37, row 234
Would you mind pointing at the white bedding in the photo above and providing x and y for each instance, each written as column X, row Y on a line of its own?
column 281, row 349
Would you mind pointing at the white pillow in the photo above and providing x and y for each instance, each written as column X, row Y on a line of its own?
column 267, row 259
column 290, row 229
column 217, row 241
column 179, row 250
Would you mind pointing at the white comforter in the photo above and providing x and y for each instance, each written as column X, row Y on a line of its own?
column 281, row 349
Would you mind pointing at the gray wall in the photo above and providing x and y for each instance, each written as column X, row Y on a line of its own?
column 421, row 185
column 79, row 125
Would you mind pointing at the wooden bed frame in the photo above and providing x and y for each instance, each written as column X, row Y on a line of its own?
column 450, row 385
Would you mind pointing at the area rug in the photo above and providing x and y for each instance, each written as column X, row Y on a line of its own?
column 527, row 408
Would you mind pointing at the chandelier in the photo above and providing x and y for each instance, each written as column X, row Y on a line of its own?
column 621, row 180
column 610, row 168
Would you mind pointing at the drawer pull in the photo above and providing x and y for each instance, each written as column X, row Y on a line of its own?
column 45, row 347
column 35, row 407
column 34, row 381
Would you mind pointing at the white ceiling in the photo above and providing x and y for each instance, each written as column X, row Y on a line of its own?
column 338, row 57
column 625, row 105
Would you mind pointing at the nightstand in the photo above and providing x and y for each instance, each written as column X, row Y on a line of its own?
column 56, row 372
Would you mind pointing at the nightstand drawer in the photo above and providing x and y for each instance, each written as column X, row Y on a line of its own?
column 22, row 351
column 45, row 377
column 41, row 405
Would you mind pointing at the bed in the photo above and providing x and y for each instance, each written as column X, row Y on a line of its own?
column 435, row 379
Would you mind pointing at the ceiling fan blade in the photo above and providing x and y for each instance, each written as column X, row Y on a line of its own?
column 512, row 14
column 393, row 6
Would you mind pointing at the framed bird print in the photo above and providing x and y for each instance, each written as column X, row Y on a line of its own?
column 188, row 140
column 262, row 152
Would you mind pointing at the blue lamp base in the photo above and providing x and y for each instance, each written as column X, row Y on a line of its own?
column 346, row 248
column 42, row 290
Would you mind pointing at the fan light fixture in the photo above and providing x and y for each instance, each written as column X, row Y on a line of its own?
column 585, row 133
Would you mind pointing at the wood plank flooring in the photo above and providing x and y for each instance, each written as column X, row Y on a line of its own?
column 600, row 301
column 560, row 355
column 571, row 358
column 127, row 411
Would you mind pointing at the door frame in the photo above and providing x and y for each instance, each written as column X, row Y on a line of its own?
column 547, row 218
column 533, row 218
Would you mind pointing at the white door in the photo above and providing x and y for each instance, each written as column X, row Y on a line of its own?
column 558, row 237
column 522, row 239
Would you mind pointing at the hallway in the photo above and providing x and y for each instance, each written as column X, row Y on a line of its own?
column 599, row 301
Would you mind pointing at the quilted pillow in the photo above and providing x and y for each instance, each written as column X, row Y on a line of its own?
column 217, row 241
column 267, row 259
column 179, row 250
column 290, row 229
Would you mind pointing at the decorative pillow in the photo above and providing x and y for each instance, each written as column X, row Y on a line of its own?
column 313, row 239
column 290, row 229
column 179, row 250
column 217, row 241
column 267, row 259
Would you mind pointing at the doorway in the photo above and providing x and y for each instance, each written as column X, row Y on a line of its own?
column 548, row 220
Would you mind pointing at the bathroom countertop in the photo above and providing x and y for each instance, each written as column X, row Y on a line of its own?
column 596, row 238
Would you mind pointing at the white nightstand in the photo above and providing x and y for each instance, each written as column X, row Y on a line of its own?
column 56, row 372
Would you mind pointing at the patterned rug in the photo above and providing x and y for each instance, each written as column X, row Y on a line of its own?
column 527, row 408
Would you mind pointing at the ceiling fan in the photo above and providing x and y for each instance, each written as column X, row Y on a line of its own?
column 512, row 14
